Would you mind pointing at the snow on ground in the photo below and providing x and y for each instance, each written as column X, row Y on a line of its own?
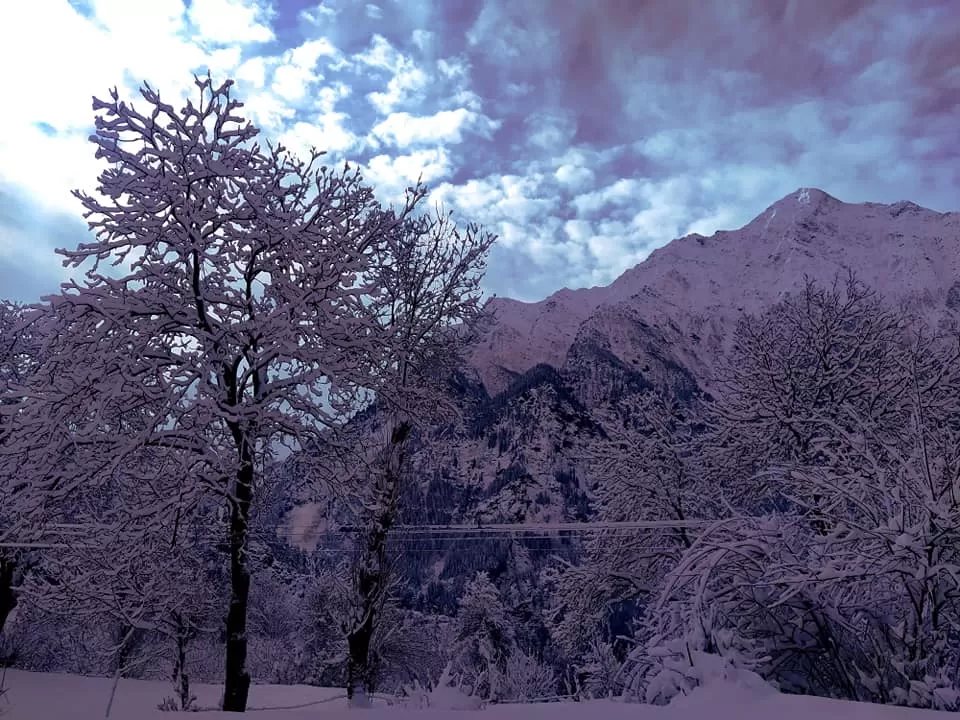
column 48, row 696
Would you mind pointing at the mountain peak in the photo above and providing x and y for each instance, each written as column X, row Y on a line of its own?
column 799, row 206
column 808, row 196
column 804, row 200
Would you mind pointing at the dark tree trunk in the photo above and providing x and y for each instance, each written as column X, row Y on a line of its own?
column 8, row 598
column 373, row 574
column 237, row 683
column 125, row 645
column 371, row 585
column 359, row 675
column 181, row 681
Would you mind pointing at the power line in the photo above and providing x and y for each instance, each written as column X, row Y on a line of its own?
column 425, row 538
column 444, row 529
column 534, row 527
column 404, row 534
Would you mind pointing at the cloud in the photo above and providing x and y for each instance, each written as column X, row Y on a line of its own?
column 319, row 14
column 407, row 80
column 446, row 126
column 622, row 192
column 325, row 131
column 550, row 131
column 253, row 72
column 296, row 72
column 574, row 177
column 268, row 112
column 57, row 91
column 584, row 138
column 392, row 175
column 29, row 233
column 230, row 21
column 422, row 39
column 497, row 199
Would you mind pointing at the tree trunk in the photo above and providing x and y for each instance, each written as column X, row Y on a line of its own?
column 373, row 574
column 371, row 585
column 181, row 681
column 121, row 666
column 127, row 634
column 8, row 598
column 359, row 676
column 237, row 683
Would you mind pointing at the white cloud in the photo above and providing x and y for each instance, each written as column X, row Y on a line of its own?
column 510, row 234
column 407, row 79
column 723, row 217
column 164, row 17
column 54, row 91
column 48, row 168
column 622, row 192
column 454, row 67
column 475, row 197
column 381, row 54
column 578, row 231
column 517, row 90
column 325, row 132
column 267, row 112
column 684, row 147
column 446, row 126
column 391, row 175
column 607, row 249
column 320, row 14
column 550, row 131
column 327, row 97
column 497, row 198
column 574, row 177
column 326, row 128
column 72, row 57
column 499, row 36
column 297, row 69
column 544, row 244
column 253, row 71
column 523, row 198
column 309, row 53
column 401, row 88
column 422, row 39
column 519, row 207
column 374, row 12
column 229, row 21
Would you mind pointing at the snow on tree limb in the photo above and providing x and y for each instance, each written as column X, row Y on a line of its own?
column 235, row 298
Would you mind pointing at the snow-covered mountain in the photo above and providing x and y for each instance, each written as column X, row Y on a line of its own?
column 545, row 382
column 686, row 296
column 548, row 375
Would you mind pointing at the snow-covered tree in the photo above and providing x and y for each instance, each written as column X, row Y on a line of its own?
column 485, row 638
column 243, row 299
column 114, row 557
column 648, row 469
column 824, row 355
column 431, row 293
column 843, row 576
column 151, row 584
column 21, row 338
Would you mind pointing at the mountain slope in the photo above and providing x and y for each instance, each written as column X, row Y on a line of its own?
column 692, row 290
column 550, row 378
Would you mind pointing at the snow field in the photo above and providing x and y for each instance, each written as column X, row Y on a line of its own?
column 50, row 696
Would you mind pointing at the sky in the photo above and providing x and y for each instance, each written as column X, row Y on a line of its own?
column 585, row 134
